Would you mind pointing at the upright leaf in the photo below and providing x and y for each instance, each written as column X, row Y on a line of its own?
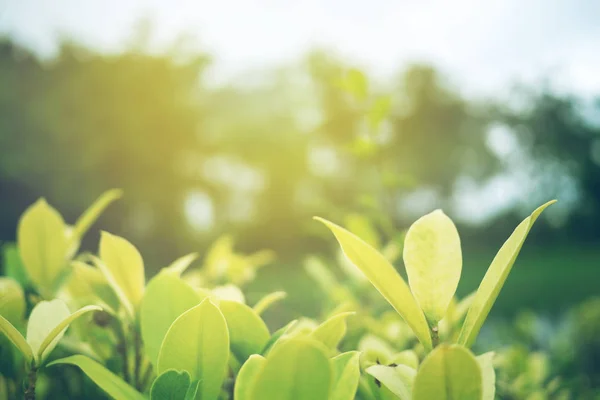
column 170, row 385
column 385, row 279
column 246, row 377
column 332, row 331
column 297, row 369
column 488, row 374
column 166, row 298
column 90, row 215
column 198, row 342
column 433, row 261
column 267, row 301
column 278, row 335
column 346, row 373
column 248, row 333
column 123, row 267
column 12, row 301
column 398, row 380
column 449, row 372
column 109, row 382
column 43, row 246
column 495, row 277
column 182, row 263
column 16, row 338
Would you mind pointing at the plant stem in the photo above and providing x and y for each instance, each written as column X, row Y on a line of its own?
column 119, row 329
column 435, row 336
column 29, row 393
column 137, row 343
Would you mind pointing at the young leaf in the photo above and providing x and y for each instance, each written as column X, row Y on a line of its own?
column 449, row 372
column 278, row 334
column 43, row 245
column 346, row 373
column 88, row 285
column 406, row 357
column 109, row 382
column 181, row 264
column 16, row 338
column 332, row 331
column 297, row 369
column 93, row 212
column 248, row 333
column 12, row 301
column 229, row 292
column 171, row 384
column 399, row 379
column 123, row 267
column 267, row 301
column 247, row 375
column 198, row 342
column 166, row 298
column 495, row 277
column 489, row 375
column 433, row 261
column 385, row 279
column 47, row 324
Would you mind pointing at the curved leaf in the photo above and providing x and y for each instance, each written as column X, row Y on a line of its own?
column 346, row 373
column 44, row 317
column 109, row 382
column 43, row 245
column 449, row 372
column 123, row 267
column 267, row 301
column 198, row 342
column 495, row 277
column 16, row 338
column 277, row 335
column 247, row 375
column 433, row 261
column 166, row 298
column 489, row 375
column 170, row 385
column 385, row 279
column 248, row 333
column 12, row 301
column 87, row 219
column 297, row 369
column 332, row 331
column 182, row 263
column 399, row 379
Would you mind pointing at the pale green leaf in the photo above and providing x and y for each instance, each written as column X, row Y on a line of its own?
column 406, row 357
column 385, row 279
column 229, row 292
column 123, row 267
column 12, row 301
column 248, row 333
column 106, row 380
column 332, row 331
column 87, row 219
column 495, row 277
column 433, row 261
column 88, row 285
column 198, row 342
column 181, row 264
column 488, row 374
column 247, row 375
column 43, row 246
column 16, row 338
column 165, row 299
column 346, row 373
column 449, row 372
column 297, row 369
column 277, row 335
column 268, row 300
column 398, row 380
column 170, row 385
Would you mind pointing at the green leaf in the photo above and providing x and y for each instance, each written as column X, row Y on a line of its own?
column 399, row 379
column 12, row 301
column 198, row 342
column 181, row 264
column 495, row 277
column 192, row 391
column 267, row 301
column 281, row 332
column 385, row 278
column 406, row 357
column 170, row 385
column 16, row 338
column 346, row 373
column 43, row 246
column 87, row 219
column 123, row 267
column 88, row 285
column 247, row 375
column 229, row 292
column 109, row 382
column 166, row 298
column 297, row 369
column 449, row 372
column 488, row 374
column 248, row 333
column 332, row 331
column 433, row 261
column 47, row 324
column 13, row 266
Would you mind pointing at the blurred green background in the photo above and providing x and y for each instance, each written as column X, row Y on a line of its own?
column 249, row 119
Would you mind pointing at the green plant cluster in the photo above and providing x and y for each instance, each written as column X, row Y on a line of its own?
column 191, row 335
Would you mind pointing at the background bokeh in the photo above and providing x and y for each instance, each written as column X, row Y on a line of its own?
column 232, row 117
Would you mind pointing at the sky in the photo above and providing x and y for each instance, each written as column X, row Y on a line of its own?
column 483, row 46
